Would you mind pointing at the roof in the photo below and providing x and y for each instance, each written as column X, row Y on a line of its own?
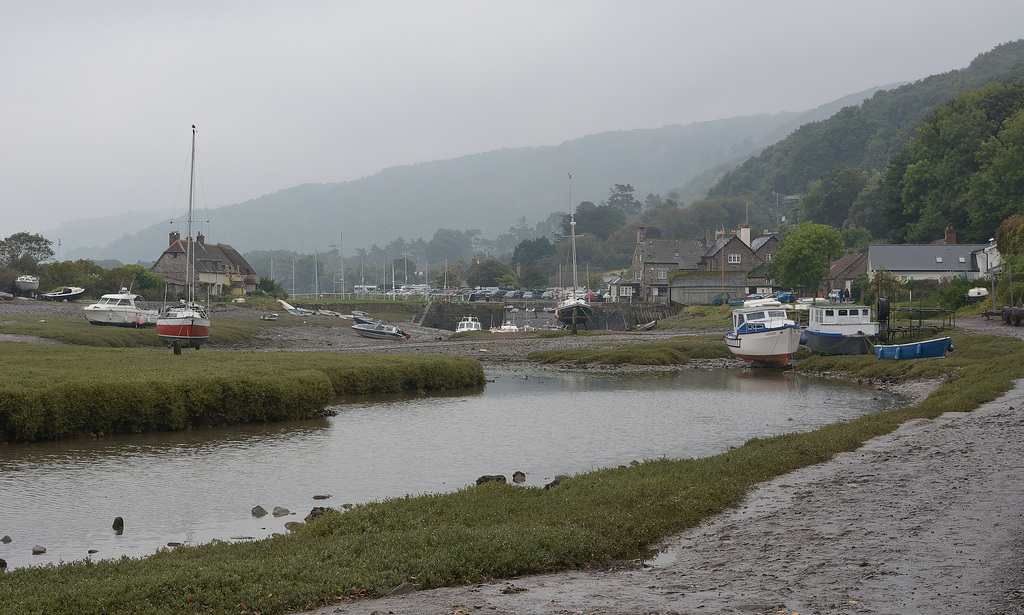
column 684, row 253
column 936, row 258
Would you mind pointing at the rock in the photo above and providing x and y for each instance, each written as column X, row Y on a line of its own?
column 346, row 506
column 3, row 564
column 318, row 511
column 259, row 512
column 401, row 590
column 174, row 544
column 5, row 539
column 281, row 511
column 491, row 478
column 93, row 551
column 561, row 478
column 291, row 525
column 38, row 550
column 322, row 497
column 518, row 477
column 118, row 525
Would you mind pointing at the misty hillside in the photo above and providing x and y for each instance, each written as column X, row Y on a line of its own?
column 490, row 191
column 864, row 137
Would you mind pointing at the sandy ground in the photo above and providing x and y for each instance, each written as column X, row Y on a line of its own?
column 928, row 519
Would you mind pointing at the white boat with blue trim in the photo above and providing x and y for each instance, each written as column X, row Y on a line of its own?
column 840, row 329
column 763, row 336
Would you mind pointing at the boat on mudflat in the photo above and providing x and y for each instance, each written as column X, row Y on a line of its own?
column 380, row 331
column 930, row 349
column 468, row 323
column 119, row 309
column 68, row 293
column 845, row 329
column 764, row 336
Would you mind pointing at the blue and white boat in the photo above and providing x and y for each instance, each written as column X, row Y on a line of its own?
column 846, row 329
column 931, row 349
column 763, row 336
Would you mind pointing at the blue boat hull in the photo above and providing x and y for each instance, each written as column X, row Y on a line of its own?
column 931, row 349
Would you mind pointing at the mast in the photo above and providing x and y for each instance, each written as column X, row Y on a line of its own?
column 190, row 256
column 572, row 234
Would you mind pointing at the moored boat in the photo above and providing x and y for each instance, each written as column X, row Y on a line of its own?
column 187, row 323
column 763, row 337
column 930, row 349
column 846, row 329
column 121, row 309
column 27, row 284
column 380, row 331
column 68, row 293
column 574, row 310
column 468, row 323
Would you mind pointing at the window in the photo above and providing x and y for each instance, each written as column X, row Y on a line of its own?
column 938, row 259
column 735, row 259
column 768, row 257
column 963, row 259
column 662, row 274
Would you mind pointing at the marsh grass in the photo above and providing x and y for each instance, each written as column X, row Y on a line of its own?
column 78, row 331
column 494, row 530
column 50, row 392
column 675, row 352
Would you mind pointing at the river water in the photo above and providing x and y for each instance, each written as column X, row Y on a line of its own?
column 201, row 485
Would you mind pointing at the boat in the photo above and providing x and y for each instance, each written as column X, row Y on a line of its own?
column 364, row 320
column 931, row 349
column 844, row 329
column 380, row 331
column 468, row 323
column 268, row 317
column 574, row 310
column 806, row 302
column 119, row 309
column 27, row 284
column 506, row 328
column 646, row 326
column 186, row 324
column 68, row 293
column 763, row 337
column 291, row 309
column 6, row 296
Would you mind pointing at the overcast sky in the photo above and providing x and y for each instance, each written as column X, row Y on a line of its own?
column 97, row 96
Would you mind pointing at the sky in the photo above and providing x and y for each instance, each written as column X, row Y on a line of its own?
column 97, row 97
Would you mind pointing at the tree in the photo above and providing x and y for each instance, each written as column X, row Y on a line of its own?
column 621, row 197
column 487, row 273
column 600, row 220
column 533, row 277
column 804, row 255
column 530, row 251
column 830, row 198
column 25, row 251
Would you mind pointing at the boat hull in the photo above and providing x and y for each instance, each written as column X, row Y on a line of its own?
column 765, row 347
column 380, row 332
column 26, row 283
column 124, row 318
column 189, row 331
column 574, row 313
column 835, row 343
column 70, row 293
column 931, row 349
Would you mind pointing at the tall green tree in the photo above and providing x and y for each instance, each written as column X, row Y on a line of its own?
column 620, row 196
column 830, row 198
column 804, row 255
column 487, row 273
column 25, row 251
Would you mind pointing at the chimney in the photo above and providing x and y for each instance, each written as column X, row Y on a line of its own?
column 641, row 234
column 744, row 233
column 707, row 236
column 174, row 236
column 950, row 236
column 200, row 239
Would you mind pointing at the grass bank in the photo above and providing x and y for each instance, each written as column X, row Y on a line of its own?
column 675, row 352
column 50, row 392
column 493, row 530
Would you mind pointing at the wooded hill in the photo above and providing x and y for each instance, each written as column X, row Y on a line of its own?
column 951, row 157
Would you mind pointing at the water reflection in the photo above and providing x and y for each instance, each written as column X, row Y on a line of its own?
column 201, row 485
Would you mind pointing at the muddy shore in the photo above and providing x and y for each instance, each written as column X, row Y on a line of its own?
column 928, row 519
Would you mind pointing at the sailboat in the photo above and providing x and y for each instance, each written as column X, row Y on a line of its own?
column 574, row 310
column 187, row 323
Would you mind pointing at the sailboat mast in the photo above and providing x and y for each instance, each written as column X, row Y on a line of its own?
column 572, row 234
column 190, row 257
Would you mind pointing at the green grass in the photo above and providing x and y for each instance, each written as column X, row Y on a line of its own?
column 50, row 392
column 494, row 530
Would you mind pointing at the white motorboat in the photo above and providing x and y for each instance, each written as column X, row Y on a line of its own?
column 763, row 337
column 188, row 323
column 846, row 329
column 68, row 293
column 380, row 331
column 121, row 309
column 468, row 323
